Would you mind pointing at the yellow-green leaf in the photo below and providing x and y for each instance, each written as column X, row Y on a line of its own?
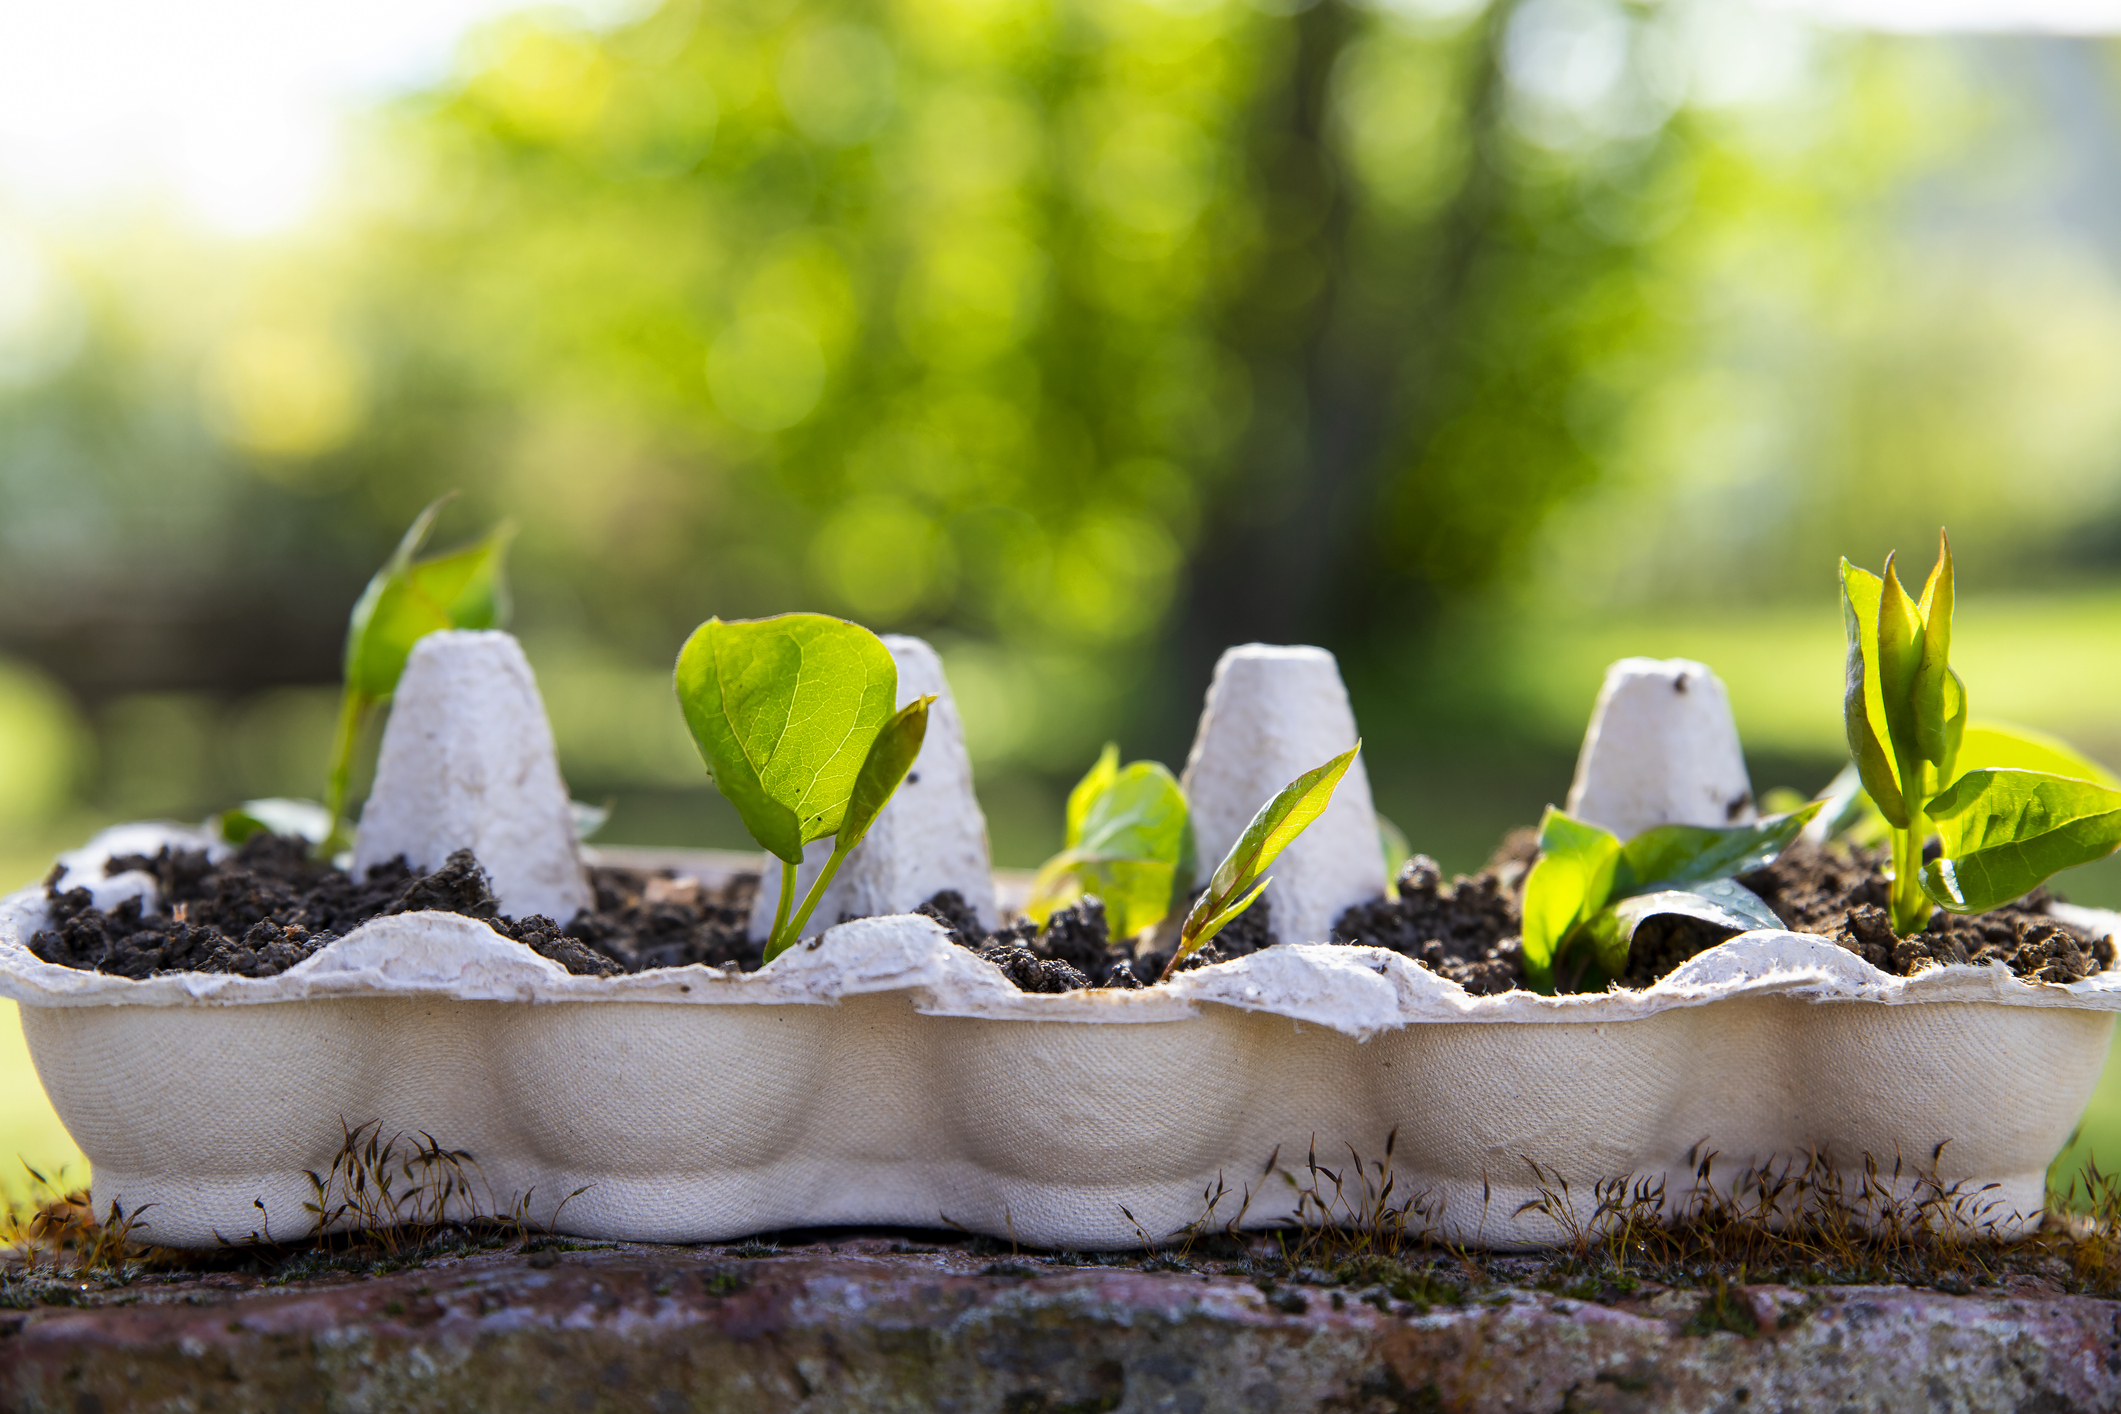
column 1125, row 842
column 1935, row 683
column 1569, row 882
column 1993, row 745
column 409, row 599
column 890, row 757
column 1899, row 666
column 1236, row 881
column 1862, row 710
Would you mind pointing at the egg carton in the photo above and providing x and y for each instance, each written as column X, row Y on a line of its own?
column 879, row 1074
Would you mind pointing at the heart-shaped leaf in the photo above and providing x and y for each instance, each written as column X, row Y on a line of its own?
column 784, row 712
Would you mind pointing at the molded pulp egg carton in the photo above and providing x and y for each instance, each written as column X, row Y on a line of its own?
column 881, row 1075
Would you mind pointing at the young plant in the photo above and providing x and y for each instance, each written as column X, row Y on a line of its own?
column 793, row 717
column 407, row 600
column 1238, row 880
column 2004, row 828
column 1129, row 840
column 1588, row 892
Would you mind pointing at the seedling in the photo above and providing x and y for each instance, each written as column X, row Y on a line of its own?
column 1129, row 841
column 1588, row 892
column 1238, row 880
column 2009, row 814
column 407, row 600
column 793, row 717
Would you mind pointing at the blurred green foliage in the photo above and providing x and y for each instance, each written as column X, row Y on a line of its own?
column 1481, row 343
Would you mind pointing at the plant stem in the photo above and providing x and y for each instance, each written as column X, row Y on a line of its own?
column 817, row 891
column 1911, row 907
column 774, row 946
column 348, row 733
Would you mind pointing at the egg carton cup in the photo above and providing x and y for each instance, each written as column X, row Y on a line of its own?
column 881, row 1075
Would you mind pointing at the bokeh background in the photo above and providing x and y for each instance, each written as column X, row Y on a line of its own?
column 1481, row 343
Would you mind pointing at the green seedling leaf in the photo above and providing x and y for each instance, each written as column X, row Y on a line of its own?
column 1237, row 880
column 784, row 712
column 1935, row 683
column 1670, row 855
column 1582, row 888
column 1568, row 884
column 1127, row 830
column 1900, row 640
column 404, row 602
column 2006, row 831
column 890, row 758
column 295, row 819
column 1862, row 709
column 1205, row 932
column 1393, row 841
column 1723, row 902
column 1994, row 745
column 409, row 599
column 1095, row 782
column 1954, row 726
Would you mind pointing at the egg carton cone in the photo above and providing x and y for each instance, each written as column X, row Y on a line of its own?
column 467, row 762
column 1272, row 714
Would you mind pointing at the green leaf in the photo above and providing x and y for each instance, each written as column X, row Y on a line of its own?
column 1204, row 934
column 1900, row 640
column 1862, row 711
column 409, row 599
column 1989, row 745
column 1935, row 684
column 1568, row 883
column 1723, row 902
column 278, row 815
column 1949, row 768
column 1277, row 825
column 1095, row 782
column 1236, row 881
column 1682, row 854
column 890, row 757
column 1125, row 843
column 784, row 711
column 2005, row 831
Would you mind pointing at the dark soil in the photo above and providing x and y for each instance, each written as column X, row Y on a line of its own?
column 1075, row 949
column 268, row 906
column 1470, row 930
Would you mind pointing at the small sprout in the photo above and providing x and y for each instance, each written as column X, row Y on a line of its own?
column 2010, row 812
column 407, row 600
column 1237, row 880
column 793, row 718
column 1587, row 892
column 1129, row 841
